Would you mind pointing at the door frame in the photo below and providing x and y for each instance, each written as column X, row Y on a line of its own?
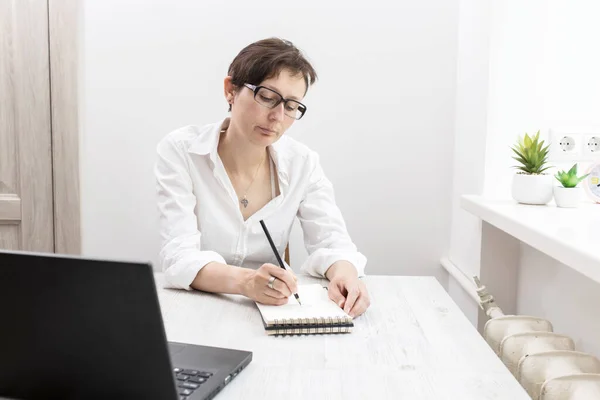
column 65, row 18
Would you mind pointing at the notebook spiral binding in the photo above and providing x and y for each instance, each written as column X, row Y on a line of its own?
column 301, row 326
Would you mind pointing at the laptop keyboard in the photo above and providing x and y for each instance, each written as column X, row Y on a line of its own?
column 188, row 380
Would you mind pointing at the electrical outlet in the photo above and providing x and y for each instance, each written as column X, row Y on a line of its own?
column 591, row 146
column 565, row 146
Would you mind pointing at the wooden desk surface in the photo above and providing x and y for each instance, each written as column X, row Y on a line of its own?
column 412, row 343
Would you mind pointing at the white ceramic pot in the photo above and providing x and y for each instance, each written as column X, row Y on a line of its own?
column 532, row 189
column 567, row 197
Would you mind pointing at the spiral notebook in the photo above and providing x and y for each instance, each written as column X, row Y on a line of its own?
column 317, row 314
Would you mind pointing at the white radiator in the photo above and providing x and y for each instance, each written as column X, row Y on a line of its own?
column 545, row 363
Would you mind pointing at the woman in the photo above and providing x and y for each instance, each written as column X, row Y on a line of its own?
column 217, row 182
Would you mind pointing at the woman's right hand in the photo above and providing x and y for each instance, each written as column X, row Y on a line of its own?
column 257, row 287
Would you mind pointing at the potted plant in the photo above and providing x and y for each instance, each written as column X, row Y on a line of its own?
column 531, row 185
column 569, row 194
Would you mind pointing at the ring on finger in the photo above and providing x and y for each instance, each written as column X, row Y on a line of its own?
column 271, row 281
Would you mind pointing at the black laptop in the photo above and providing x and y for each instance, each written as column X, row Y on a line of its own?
column 75, row 328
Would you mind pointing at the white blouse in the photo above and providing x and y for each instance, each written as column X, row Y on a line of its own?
column 200, row 219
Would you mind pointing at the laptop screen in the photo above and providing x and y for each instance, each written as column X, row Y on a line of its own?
column 80, row 328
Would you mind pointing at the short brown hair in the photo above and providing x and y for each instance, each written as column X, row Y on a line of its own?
column 266, row 58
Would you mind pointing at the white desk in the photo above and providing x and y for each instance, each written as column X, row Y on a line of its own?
column 412, row 343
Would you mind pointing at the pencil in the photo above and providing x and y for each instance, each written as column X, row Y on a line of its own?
column 262, row 223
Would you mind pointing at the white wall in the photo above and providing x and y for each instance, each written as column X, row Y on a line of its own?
column 470, row 142
column 498, row 97
column 549, row 289
column 381, row 115
column 516, row 90
column 571, row 86
column 543, row 73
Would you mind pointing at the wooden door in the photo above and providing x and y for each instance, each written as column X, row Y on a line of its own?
column 26, row 188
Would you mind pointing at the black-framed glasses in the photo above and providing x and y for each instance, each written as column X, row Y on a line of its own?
column 269, row 98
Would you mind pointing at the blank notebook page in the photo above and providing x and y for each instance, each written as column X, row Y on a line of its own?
column 315, row 304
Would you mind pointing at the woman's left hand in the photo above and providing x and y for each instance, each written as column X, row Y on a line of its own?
column 346, row 290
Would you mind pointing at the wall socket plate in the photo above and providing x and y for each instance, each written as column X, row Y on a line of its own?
column 565, row 145
column 590, row 146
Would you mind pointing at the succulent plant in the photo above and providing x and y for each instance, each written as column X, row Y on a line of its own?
column 532, row 154
column 569, row 179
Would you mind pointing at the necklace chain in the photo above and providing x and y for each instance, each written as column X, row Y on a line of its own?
column 244, row 199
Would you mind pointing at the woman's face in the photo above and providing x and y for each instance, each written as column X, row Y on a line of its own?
column 257, row 123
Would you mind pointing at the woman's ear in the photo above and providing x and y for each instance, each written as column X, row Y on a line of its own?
column 229, row 90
